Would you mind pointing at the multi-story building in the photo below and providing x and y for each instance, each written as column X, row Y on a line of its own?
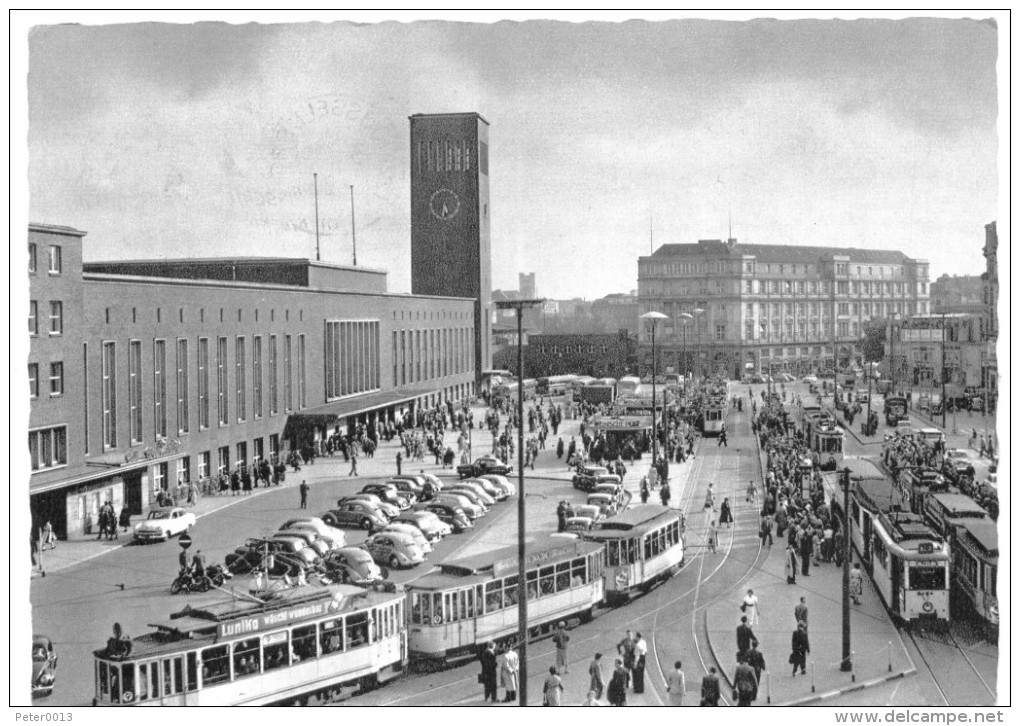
column 958, row 294
column 923, row 340
column 617, row 311
column 599, row 355
column 740, row 308
column 990, row 297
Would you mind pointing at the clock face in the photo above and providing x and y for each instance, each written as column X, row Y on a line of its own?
column 444, row 204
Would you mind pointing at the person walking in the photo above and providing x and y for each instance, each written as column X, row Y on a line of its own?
column 710, row 688
column 800, row 613
column 644, row 490
column 745, row 636
column 591, row 700
column 725, row 515
column 509, row 673
column 304, row 494
column 806, row 550
column 856, row 583
column 676, row 685
column 745, row 685
column 799, row 648
column 713, row 536
column 752, row 492
column 765, row 532
column 791, row 565
column 616, row 693
column 400, row 460
column 560, row 639
column 756, row 660
column 552, row 689
column 751, row 606
column 488, row 658
column 640, row 656
column 710, row 498
column 626, row 650
column 597, row 681
column 354, row 462
column 48, row 537
column 664, row 494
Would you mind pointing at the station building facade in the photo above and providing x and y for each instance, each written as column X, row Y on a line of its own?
column 746, row 308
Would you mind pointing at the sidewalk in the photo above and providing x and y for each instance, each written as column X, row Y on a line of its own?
column 878, row 652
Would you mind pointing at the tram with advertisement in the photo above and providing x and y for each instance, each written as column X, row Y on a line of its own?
column 644, row 546
column 463, row 604
column 909, row 562
column 278, row 649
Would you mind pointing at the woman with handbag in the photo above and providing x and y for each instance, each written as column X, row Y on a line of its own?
column 552, row 689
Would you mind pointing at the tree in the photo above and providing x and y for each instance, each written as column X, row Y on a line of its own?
column 872, row 342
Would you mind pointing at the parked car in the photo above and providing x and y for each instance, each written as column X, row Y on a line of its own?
column 611, row 489
column 353, row 565
column 450, row 514
column 589, row 511
column 579, row 525
column 437, row 483
column 605, row 502
column 484, row 465
column 44, row 666
column 356, row 514
column 470, row 485
column 388, row 493
column 455, row 499
column 501, row 481
column 497, row 493
column 960, row 462
column 389, row 510
column 411, row 531
column 587, row 477
column 408, row 487
column 427, row 523
column 163, row 523
column 810, row 379
column 334, row 536
column 394, row 549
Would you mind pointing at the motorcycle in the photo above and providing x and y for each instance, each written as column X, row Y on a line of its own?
column 187, row 582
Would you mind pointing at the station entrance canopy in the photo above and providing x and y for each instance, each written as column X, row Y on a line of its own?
column 329, row 413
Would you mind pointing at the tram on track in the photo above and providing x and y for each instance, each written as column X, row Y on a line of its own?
column 254, row 651
column 976, row 569
column 644, row 545
column 465, row 603
column 715, row 416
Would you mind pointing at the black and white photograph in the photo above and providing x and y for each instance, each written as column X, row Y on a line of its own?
column 504, row 359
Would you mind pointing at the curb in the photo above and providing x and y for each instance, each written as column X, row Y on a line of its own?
column 815, row 698
column 711, row 648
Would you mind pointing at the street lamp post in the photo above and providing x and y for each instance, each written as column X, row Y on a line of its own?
column 522, row 595
column 944, row 332
column 892, row 350
column 686, row 319
column 698, row 312
column 653, row 316
column 846, row 664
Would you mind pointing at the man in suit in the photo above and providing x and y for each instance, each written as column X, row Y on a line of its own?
column 745, row 683
column 710, row 688
column 745, row 636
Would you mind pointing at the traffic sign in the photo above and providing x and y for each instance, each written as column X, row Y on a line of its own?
column 184, row 540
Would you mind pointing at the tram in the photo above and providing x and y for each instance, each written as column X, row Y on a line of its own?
column 555, row 385
column 628, row 386
column 715, row 417
column 975, row 570
column 909, row 562
column 644, row 545
column 274, row 650
column 463, row 604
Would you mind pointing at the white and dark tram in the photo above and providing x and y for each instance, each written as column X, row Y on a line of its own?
column 644, row 545
column 976, row 569
column 465, row 603
column 275, row 650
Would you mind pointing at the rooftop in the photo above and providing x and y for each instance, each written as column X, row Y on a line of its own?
column 55, row 229
column 780, row 253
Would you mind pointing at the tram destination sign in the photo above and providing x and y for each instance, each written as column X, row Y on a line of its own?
column 279, row 618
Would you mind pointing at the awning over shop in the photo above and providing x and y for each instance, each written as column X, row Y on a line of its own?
column 329, row 413
column 106, row 467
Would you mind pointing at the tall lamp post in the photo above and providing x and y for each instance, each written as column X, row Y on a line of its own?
column 945, row 334
column 522, row 595
column 846, row 664
column 893, row 332
column 698, row 312
column 685, row 320
column 653, row 316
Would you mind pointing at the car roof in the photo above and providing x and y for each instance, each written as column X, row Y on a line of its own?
column 401, row 537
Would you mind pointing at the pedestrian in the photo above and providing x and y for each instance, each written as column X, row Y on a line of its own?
column 508, row 674
column 710, row 498
column 806, row 550
column 616, row 693
column 626, row 650
column 800, row 613
column 752, row 492
column 856, row 583
column 561, row 516
column 49, row 538
column 745, row 636
column 304, row 494
column 559, row 448
column 597, row 683
column 799, row 648
column 198, row 565
column 710, row 688
column 791, row 565
column 766, row 529
column 756, row 660
column 725, row 515
column 676, row 685
column 713, row 536
column 664, row 494
column 560, row 639
column 591, row 700
column 354, row 462
column 751, row 606
column 745, row 685
column 488, row 658
column 640, row 656
column 644, row 490
column 552, row 689
column 400, row 459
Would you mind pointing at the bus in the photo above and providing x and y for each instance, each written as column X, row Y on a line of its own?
column 463, row 604
column 628, row 386
column 644, row 546
column 271, row 650
column 555, row 385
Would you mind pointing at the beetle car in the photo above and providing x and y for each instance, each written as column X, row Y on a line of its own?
column 356, row 514
column 497, row 493
column 605, row 502
column 470, row 486
column 353, row 565
column 458, row 499
column 488, row 464
column 586, row 478
column 501, row 481
column 580, row 525
column 388, row 493
column 590, row 511
column 411, row 531
column 427, row 523
column 450, row 514
column 163, row 523
column 394, row 549
column 389, row 510
column 334, row 536
column 44, row 666
column 409, row 484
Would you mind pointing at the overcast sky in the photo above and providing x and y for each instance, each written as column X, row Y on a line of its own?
column 200, row 140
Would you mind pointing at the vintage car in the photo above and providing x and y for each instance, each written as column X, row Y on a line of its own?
column 611, row 489
column 813, row 380
column 459, row 499
column 44, row 666
column 589, row 511
column 450, row 514
column 411, row 531
column 163, row 523
column 394, row 549
column 410, row 487
column 389, row 493
column 484, row 465
column 334, row 536
column 288, row 555
column 353, row 565
column 389, row 510
column 960, row 462
column 497, row 493
column 356, row 513
column 320, row 544
column 427, row 523
column 605, row 502
column 587, row 476
column 501, row 481
column 472, row 486
column 580, row 525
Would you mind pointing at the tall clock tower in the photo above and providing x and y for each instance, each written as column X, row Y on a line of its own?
column 450, row 243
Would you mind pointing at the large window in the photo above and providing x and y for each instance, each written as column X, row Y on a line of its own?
column 222, row 415
column 203, row 383
column 302, row 398
column 182, row 386
column 240, row 374
column 256, row 367
column 33, row 380
column 57, row 379
column 135, row 391
column 159, row 386
column 273, row 406
column 109, row 395
column 56, row 260
column 288, row 388
column 33, row 317
column 394, row 354
column 32, row 257
column 352, row 357
column 48, row 447
column 56, row 317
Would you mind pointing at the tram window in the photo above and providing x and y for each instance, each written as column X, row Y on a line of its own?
column 613, row 553
column 632, row 551
column 331, row 636
column 143, row 681
column 562, row 576
column 215, row 665
column 416, row 608
column 493, row 596
column 467, row 604
column 648, row 547
column 115, row 684
column 426, row 607
column 449, row 611
column 510, row 597
column 479, row 600
column 927, row 578
column 247, row 657
column 154, row 680
column 275, row 650
column 104, row 679
column 578, row 572
column 192, row 682
column 356, row 629
column 545, row 581
column 375, row 621
column 303, row 643
column 531, row 584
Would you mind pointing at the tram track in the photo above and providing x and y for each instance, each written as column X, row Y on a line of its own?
column 929, row 647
